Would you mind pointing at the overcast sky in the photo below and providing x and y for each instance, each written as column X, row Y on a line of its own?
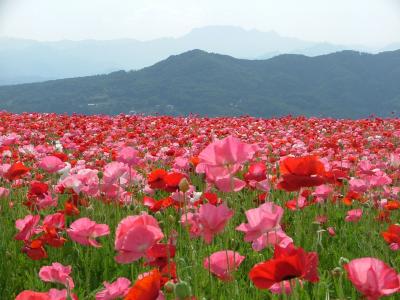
column 368, row 22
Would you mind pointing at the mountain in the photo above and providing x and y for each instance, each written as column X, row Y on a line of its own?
column 345, row 84
column 24, row 61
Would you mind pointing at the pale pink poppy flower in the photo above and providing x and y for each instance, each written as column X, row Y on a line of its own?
column 213, row 220
column 261, row 220
column 4, row 192
column 118, row 289
column 272, row 238
column 354, row 215
column 128, row 155
column 85, row 181
column 57, row 273
column 372, row 277
column 113, row 171
column 27, row 227
column 134, row 236
column 51, row 164
column 31, row 295
column 223, row 263
column 85, row 231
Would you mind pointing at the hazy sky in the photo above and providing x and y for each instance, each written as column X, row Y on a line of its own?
column 368, row 22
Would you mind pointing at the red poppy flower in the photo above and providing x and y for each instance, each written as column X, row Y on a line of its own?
column 172, row 181
column 35, row 250
column 156, row 179
column 38, row 188
column 70, row 209
column 16, row 171
column 287, row 263
column 160, row 254
column 392, row 205
column 392, row 235
column 257, row 172
column 52, row 237
column 60, row 155
column 297, row 172
column 350, row 196
column 146, row 288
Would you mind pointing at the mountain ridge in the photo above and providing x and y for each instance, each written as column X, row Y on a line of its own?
column 27, row 60
column 347, row 84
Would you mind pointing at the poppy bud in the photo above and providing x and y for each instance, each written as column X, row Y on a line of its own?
column 182, row 290
column 336, row 272
column 184, row 185
column 169, row 286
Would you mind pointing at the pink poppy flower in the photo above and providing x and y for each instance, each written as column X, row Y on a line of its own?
column 55, row 294
column 115, row 290
column 272, row 238
column 51, row 164
column 372, row 277
column 135, row 235
column 223, row 263
column 213, row 220
column 228, row 151
column 57, row 273
column 358, row 185
column 228, row 184
column 262, row 220
column 85, row 231
column 322, row 192
column 46, row 201
column 331, row 231
column 27, row 227
column 354, row 215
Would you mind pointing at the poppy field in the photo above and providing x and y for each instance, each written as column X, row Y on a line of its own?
column 155, row 207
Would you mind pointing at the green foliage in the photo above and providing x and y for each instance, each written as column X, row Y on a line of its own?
column 345, row 84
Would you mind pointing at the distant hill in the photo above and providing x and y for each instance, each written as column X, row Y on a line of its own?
column 23, row 61
column 345, row 84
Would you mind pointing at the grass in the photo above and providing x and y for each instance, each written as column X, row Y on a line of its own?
column 91, row 266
